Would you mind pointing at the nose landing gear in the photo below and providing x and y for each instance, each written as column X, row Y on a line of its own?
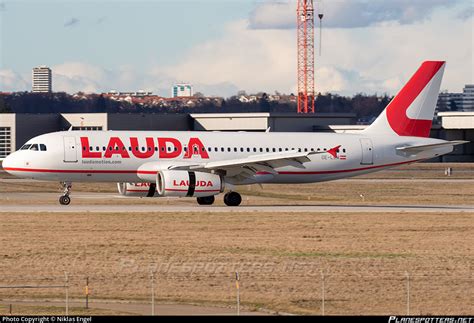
column 65, row 199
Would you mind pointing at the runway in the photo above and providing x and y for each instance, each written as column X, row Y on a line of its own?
column 181, row 208
column 94, row 202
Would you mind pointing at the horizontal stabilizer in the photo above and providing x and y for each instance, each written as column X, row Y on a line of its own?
column 419, row 148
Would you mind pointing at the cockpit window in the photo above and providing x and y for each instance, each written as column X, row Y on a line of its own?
column 42, row 147
column 34, row 147
column 25, row 147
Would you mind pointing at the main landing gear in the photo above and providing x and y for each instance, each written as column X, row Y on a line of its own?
column 230, row 199
column 65, row 199
column 206, row 200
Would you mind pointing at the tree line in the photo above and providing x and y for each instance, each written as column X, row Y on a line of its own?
column 364, row 106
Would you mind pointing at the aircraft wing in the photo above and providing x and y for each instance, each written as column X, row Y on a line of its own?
column 256, row 163
column 420, row 148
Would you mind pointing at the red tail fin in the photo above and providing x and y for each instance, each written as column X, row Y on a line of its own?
column 411, row 112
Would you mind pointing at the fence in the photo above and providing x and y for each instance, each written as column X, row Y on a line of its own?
column 290, row 290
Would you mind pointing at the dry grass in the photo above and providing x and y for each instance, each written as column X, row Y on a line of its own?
column 279, row 256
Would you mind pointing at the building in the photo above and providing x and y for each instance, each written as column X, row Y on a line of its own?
column 449, row 101
column 457, row 101
column 181, row 90
column 42, row 80
column 467, row 103
column 139, row 93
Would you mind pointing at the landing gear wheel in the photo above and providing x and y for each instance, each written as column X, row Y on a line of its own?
column 64, row 200
column 206, row 200
column 232, row 199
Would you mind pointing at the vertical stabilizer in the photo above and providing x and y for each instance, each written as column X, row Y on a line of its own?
column 411, row 111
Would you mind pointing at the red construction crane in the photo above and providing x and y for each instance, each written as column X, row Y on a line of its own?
column 305, row 36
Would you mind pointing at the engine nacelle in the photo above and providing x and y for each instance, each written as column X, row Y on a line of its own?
column 137, row 189
column 187, row 183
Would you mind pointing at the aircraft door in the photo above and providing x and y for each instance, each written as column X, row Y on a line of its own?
column 367, row 151
column 70, row 150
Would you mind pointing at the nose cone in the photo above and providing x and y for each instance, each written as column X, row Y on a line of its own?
column 8, row 163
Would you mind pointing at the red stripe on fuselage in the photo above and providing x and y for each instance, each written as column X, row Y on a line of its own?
column 185, row 190
column 77, row 171
column 71, row 171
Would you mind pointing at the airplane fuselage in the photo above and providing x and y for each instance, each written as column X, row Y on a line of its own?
column 133, row 156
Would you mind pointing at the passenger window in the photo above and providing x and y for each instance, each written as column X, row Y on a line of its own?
column 222, row 149
column 344, row 150
column 97, row 148
column 268, row 150
column 34, row 147
column 235, row 149
column 42, row 147
column 241, row 149
column 254, row 149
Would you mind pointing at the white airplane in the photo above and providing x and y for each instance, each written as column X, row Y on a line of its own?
column 204, row 164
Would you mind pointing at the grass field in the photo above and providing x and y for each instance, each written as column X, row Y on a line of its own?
column 281, row 258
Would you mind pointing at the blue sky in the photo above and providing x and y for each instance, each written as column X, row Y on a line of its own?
column 370, row 46
column 109, row 33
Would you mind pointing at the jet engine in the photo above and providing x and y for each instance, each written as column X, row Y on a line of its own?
column 187, row 183
column 137, row 189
